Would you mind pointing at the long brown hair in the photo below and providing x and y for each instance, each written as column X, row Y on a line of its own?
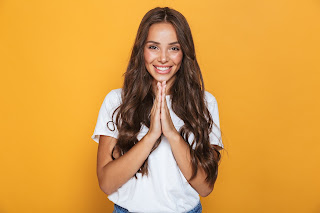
column 187, row 96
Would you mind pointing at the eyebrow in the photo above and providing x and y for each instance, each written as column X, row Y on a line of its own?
column 176, row 42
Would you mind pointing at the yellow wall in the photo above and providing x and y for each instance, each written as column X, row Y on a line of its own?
column 260, row 59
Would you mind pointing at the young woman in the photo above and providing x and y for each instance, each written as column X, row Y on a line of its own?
column 159, row 136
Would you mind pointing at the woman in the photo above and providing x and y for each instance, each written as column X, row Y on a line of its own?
column 159, row 136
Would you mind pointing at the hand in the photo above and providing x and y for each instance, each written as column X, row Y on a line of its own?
column 155, row 123
column 167, row 126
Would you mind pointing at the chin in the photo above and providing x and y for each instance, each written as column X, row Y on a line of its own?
column 162, row 78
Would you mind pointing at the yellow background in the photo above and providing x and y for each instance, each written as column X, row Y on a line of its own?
column 260, row 59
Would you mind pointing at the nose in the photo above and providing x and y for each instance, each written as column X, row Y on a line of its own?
column 163, row 56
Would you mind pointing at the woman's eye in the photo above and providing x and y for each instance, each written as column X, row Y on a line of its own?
column 175, row 48
column 152, row 47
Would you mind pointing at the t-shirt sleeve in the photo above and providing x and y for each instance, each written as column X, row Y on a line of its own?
column 110, row 103
column 215, row 134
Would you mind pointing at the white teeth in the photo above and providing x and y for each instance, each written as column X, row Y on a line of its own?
column 162, row 68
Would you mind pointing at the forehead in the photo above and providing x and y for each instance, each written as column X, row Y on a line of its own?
column 162, row 32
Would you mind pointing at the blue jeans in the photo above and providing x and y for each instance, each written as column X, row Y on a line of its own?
column 119, row 209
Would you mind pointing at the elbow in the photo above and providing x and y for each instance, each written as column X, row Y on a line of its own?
column 206, row 192
column 104, row 183
column 106, row 189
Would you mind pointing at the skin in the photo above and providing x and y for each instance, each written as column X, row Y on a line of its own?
column 112, row 174
column 162, row 49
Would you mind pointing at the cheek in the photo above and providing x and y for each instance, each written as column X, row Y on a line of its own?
column 149, row 56
column 177, row 59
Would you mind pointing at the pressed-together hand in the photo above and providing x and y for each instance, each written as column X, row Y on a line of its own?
column 168, row 128
column 155, row 123
column 160, row 119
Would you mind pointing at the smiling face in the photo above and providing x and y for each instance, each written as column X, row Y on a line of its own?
column 162, row 54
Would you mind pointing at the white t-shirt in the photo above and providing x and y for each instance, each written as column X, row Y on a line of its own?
column 165, row 189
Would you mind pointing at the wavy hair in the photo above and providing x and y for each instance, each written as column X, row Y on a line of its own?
column 187, row 97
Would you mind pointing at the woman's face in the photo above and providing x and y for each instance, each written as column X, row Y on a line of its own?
column 162, row 53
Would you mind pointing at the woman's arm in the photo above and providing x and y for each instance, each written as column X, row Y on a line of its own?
column 112, row 174
column 181, row 152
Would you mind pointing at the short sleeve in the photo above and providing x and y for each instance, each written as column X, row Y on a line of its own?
column 215, row 134
column 105, row 125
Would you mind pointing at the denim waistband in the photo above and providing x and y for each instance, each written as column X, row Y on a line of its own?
column 119, row 209
column 197, row 209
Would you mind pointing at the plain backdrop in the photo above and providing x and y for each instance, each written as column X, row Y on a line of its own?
column 260, row 59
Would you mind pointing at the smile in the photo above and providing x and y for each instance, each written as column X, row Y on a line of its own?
column 163, row 70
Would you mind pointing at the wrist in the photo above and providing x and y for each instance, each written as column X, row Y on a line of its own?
column 173, row 136
column 151, row 138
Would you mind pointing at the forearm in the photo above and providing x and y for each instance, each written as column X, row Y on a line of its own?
column 119, row 171
column 181, row 152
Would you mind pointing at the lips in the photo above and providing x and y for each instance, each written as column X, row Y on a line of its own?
column 162, row 69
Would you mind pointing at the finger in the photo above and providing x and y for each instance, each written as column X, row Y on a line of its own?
column 156, row 100
column 159, row 91
column 163, row 100
column 164, row 90
column 164, row 94
column 159, row 96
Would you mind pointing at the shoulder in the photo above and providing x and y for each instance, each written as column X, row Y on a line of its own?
column 113, row 98
column 114, row 95
column 209, row 97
